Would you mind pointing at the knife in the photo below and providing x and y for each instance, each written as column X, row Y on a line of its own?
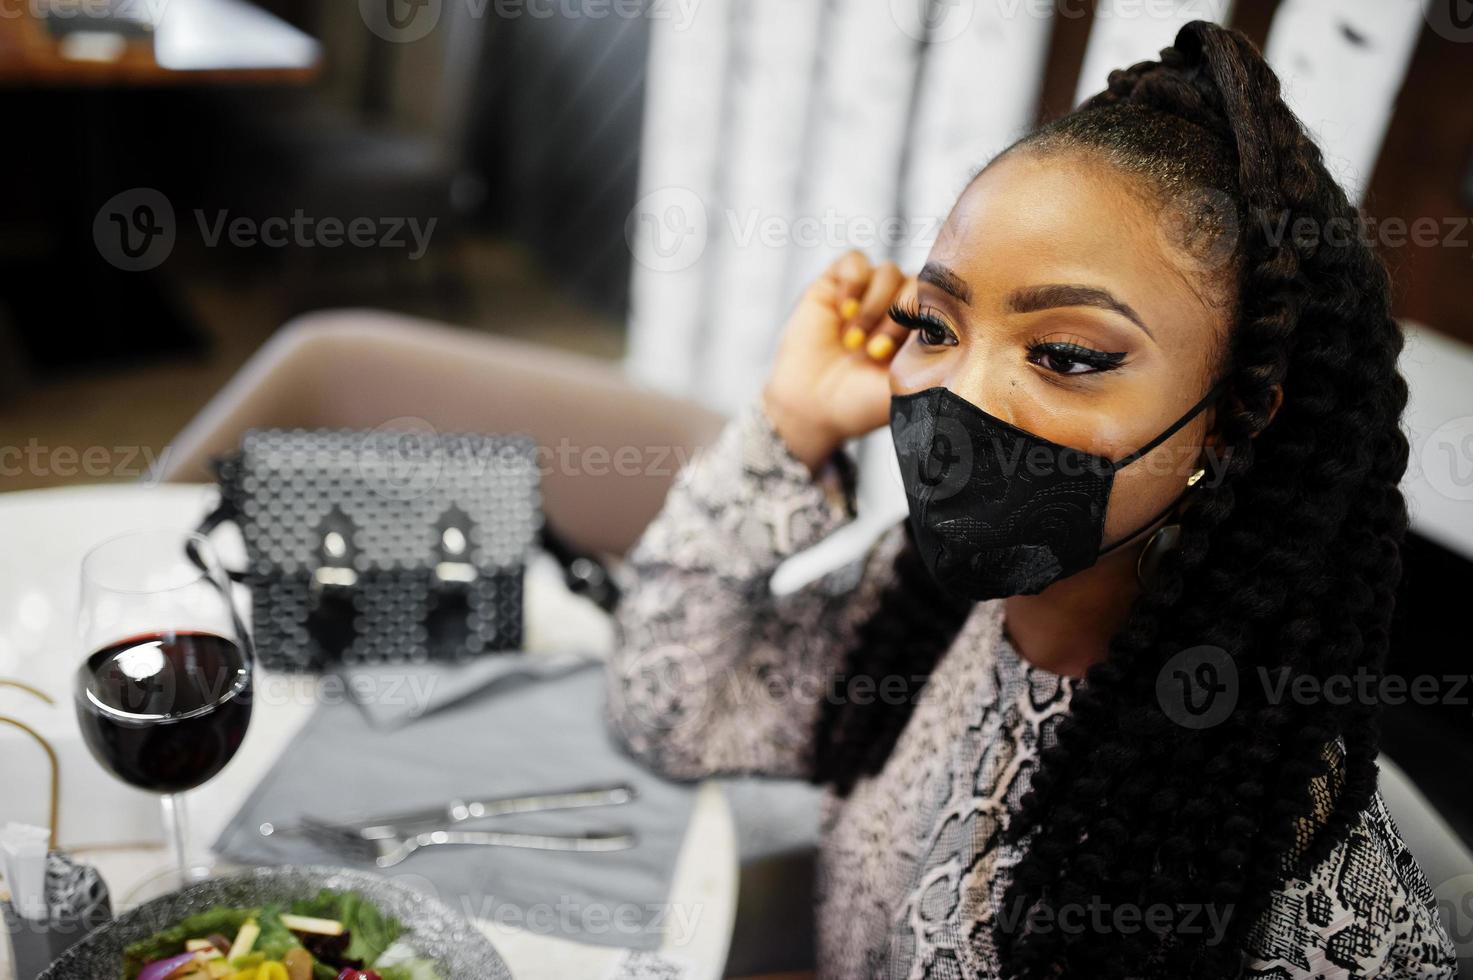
column 459, row 811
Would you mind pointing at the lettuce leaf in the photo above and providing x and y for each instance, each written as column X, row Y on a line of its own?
column 370, row 932
column 221, row 918
column 276, row 940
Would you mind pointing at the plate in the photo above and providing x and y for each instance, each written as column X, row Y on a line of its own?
column 435, row 931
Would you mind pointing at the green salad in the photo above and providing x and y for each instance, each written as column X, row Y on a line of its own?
column 334, row 936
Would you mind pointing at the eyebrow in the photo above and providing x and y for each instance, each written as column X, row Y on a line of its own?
column 1033, row 298
column 945, row 280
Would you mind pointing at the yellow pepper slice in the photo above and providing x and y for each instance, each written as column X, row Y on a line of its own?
column 271, row 971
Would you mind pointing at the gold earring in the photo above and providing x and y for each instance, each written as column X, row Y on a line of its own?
column 1165, row 540
column 1158, row 546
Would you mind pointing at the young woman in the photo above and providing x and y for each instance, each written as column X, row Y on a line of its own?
column 1145, row 400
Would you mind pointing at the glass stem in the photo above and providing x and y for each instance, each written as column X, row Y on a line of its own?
column 176, row 828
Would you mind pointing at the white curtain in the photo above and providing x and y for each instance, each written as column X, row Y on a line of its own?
column 1342, row 63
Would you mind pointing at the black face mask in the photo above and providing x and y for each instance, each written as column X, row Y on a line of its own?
column 998, row 511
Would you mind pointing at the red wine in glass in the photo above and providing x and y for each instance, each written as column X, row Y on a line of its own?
column 165, row 711
column 163, row 679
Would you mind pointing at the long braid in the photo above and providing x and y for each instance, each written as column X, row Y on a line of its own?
column 1289, row 563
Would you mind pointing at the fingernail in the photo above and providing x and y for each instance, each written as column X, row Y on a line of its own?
column 848, row 308
column 854, row 338
column 880, row 346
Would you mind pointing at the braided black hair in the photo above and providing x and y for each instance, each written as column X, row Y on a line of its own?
column 1288, row 562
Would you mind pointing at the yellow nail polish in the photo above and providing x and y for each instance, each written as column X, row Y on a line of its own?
column 848, row 308
column 880, row 346
column 854, row 338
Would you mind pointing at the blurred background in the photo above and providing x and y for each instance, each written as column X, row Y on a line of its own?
column 644, row 182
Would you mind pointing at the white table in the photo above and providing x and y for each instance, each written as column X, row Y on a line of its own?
column 43, row 535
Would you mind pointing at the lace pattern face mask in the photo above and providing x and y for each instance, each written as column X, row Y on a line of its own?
column 998, row 511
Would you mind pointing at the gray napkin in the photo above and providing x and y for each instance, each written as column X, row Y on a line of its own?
column 519, row 735
column 395, row 695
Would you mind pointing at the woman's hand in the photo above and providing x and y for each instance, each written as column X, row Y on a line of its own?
column 830, row 381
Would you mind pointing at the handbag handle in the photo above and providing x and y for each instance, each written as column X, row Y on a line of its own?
column 584, row 574
column 224, row 511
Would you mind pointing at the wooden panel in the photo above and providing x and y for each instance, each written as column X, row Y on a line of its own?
column 1423, row 173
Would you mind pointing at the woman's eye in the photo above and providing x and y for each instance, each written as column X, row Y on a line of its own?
column 932, row 334
column 930, row 330
column 1063, row 358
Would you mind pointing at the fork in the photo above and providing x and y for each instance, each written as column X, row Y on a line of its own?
column 387, row 851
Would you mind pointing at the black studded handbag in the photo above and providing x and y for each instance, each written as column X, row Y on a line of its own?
column 388, row 546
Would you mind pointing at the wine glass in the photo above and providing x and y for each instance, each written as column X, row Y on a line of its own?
column 163, row 691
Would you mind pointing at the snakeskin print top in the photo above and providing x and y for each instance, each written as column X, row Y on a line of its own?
column 715, row 675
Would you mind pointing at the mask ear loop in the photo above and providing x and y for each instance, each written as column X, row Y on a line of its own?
column 1212, row 395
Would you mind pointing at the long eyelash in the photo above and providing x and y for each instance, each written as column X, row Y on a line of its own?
column 1100, row 360
column 917, row 317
